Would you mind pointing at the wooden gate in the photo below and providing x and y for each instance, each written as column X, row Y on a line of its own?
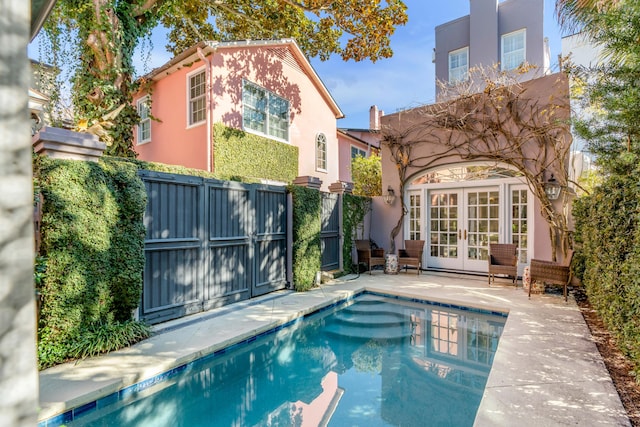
column 330, row 246
column 210, row 243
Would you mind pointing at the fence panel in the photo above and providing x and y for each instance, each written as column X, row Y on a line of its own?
column 330, row 232
column 173, row 257
column 210, row 243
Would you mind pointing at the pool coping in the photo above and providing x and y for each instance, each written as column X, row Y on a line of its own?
column 496, row 408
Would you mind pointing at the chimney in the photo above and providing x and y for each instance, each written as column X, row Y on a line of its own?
column 374, row 117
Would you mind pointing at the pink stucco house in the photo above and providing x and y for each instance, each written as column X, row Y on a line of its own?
column 353, row 142
column 265, row 88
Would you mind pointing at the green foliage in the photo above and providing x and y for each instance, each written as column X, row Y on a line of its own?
column 610, row 93
column 307, row 206
column 366, row 173
column 608, row 238
column 608, row 219
column 320, row 28
column 93, row 241
column 103, row 338
column 104, row 39
column 180, row 170
column 354, row 209
column 245, row 154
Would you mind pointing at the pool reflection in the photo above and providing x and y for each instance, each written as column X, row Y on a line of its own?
column 374, row 362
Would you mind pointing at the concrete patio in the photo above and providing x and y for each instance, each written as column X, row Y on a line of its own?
column 546, row 372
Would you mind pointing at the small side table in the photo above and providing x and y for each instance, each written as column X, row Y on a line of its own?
column 391, row 264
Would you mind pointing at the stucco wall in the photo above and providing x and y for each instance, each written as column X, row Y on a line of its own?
column 482, row 30
column 270, row 67
column 553, row 87
column 172, row 140
column 344, row 153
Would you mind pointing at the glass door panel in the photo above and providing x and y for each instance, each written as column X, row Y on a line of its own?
column 444, row 229
column 482, row 226
column 519, row 222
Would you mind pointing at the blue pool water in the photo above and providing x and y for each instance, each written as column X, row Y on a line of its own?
column 373, row 362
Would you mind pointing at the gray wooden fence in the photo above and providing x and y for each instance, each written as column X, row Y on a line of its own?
column 210, row 243
column 330, row 241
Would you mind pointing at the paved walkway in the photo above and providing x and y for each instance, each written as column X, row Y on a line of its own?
column 546, row 372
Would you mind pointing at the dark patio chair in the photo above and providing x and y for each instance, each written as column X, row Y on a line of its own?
column 550, row 272
column 411, row 255
column 503, row 259
column 369, row 256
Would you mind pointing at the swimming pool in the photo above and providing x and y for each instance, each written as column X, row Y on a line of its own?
column 374, row 360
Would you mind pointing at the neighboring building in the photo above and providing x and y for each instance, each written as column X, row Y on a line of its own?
column 265, row 88
column 504, row 33
column 40, row 84
column 457, row 206
column 359, row 142
column 580, row 52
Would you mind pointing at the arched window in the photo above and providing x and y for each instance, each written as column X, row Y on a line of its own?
column 321, row 152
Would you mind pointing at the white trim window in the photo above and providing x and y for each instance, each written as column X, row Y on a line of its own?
column 197, row 94
column 458, row 65
column 355, row 152
column 513, row 49
column 264, row 112
column 321, row 152
column 143, row 105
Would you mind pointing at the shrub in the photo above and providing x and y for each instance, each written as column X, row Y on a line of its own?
column 608, row 240
column 307, row 207
column 93, row 242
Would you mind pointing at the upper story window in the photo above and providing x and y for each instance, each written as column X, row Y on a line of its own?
column 144, row 127
column 264, row 112
column 458, row 65
column 514, row 49
column 355, row 152
column 197, row 97
column 321, row 152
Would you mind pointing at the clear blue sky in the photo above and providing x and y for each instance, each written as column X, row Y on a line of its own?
column 405, row 80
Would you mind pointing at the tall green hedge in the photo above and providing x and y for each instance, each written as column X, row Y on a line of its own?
column 307, row 206
column 608, row 241
column 239, row 153
column 93, row 243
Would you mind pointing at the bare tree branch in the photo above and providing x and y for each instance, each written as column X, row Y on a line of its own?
column 506, row 123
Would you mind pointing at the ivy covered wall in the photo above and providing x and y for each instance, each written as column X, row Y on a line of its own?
column 238, row 153
column 91, row 259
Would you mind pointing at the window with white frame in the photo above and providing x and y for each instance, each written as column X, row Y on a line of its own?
column 355, row 152
column 144, row 127
column 264, row 112
column 414, row 216
column 197, row 97
column 321, row 152
column 514, row 49
column 458, row 65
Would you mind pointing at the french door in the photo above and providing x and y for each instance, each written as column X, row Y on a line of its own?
column 461, row 224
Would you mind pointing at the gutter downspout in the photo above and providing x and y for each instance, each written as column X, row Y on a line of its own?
column 204, row 59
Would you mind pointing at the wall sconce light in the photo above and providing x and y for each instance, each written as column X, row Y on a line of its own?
column 390, row 197
column 552, row 188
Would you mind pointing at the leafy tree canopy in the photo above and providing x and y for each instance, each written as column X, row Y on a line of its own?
column 106, row 32
column 610, row 92
column 367, row 176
